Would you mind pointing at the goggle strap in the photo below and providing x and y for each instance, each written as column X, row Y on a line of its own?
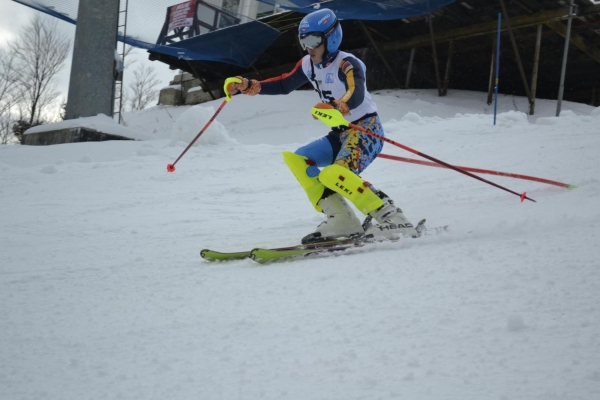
column 332, row 28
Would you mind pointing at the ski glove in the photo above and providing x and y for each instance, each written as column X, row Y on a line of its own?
column 322, row 106
column 341, row 106
column 250, row 87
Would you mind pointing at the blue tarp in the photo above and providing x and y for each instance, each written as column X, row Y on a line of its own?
column 238, row 45
column 378, row 10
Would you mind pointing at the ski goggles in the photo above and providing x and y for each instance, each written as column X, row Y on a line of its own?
column 310, row 40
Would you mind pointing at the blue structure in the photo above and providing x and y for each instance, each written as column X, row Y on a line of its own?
column 241, row 44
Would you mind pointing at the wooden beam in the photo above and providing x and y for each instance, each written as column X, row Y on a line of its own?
column 448, row 68
column 410, row 67
column 576, row 39
column 536, row 65
column 492, row 83
column 486, row 28
column 204, row 84
column 517, row 55
column 435, row 58
column 380, row 54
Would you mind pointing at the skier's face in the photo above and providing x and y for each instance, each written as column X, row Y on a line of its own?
column 316, row 54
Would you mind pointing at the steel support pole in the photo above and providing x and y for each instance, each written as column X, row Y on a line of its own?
column 536, row 65
column 561, row 90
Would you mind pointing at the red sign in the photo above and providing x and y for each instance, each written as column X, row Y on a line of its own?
column 182, row 15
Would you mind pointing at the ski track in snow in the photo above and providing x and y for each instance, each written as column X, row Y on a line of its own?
column 104, row 295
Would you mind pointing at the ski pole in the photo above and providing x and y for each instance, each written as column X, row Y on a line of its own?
column 333, row 118
column 479, row 171
column 171, row 167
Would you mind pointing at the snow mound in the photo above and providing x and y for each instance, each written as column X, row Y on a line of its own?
column 49, row 169
column 191, row 122
column 569, row 118
column 512, row 118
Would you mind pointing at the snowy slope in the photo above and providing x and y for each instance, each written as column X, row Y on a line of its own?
column 104, row 295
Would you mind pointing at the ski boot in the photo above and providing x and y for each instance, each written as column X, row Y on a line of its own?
column 341, row 221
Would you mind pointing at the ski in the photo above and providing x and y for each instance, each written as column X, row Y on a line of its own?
column 264, row 256
column 267, row 255
column 211, row 255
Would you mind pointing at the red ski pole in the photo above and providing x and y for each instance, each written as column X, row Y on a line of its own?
column 332, row 117
column 480, row 171
column 171, row 167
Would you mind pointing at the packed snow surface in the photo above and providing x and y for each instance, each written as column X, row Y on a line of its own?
column 104, row 295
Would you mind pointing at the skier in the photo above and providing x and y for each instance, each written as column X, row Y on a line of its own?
column 339, row 79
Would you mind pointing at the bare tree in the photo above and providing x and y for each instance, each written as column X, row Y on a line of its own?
column 143, row 87
column 129, row 50
column 40, row 52
column 8, row 94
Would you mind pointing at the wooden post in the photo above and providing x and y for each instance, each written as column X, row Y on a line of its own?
column 410, row 67
column 435, row 59
column 448, row 68
column 536, row 64
column 490, row 98
column 561, row 89
column 380, row 54
column 517, row 55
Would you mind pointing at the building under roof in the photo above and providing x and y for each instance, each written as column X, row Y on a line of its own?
column 451, row 47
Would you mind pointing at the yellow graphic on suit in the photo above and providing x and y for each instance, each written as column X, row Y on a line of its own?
column 359, row 150
column 348, row 70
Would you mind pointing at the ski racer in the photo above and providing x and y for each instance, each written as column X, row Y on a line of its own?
column 339, row 79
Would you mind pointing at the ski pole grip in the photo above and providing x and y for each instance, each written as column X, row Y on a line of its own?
column 328, row 115
column 230, row 81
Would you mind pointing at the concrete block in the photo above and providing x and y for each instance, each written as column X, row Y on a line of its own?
column 170, row 96
column 186, row 76
column 198, row 96
column 187, row 85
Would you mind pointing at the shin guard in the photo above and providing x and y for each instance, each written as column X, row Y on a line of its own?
column 351, row 186
column 313, row 188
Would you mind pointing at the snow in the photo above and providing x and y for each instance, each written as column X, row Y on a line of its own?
column 104, row 295
column 101, row 123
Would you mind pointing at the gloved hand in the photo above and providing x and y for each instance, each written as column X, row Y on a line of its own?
column 250, row 87
column 322, row 106
column 341, row 107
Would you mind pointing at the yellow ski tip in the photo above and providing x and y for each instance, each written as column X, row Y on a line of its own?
column 329, row 116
